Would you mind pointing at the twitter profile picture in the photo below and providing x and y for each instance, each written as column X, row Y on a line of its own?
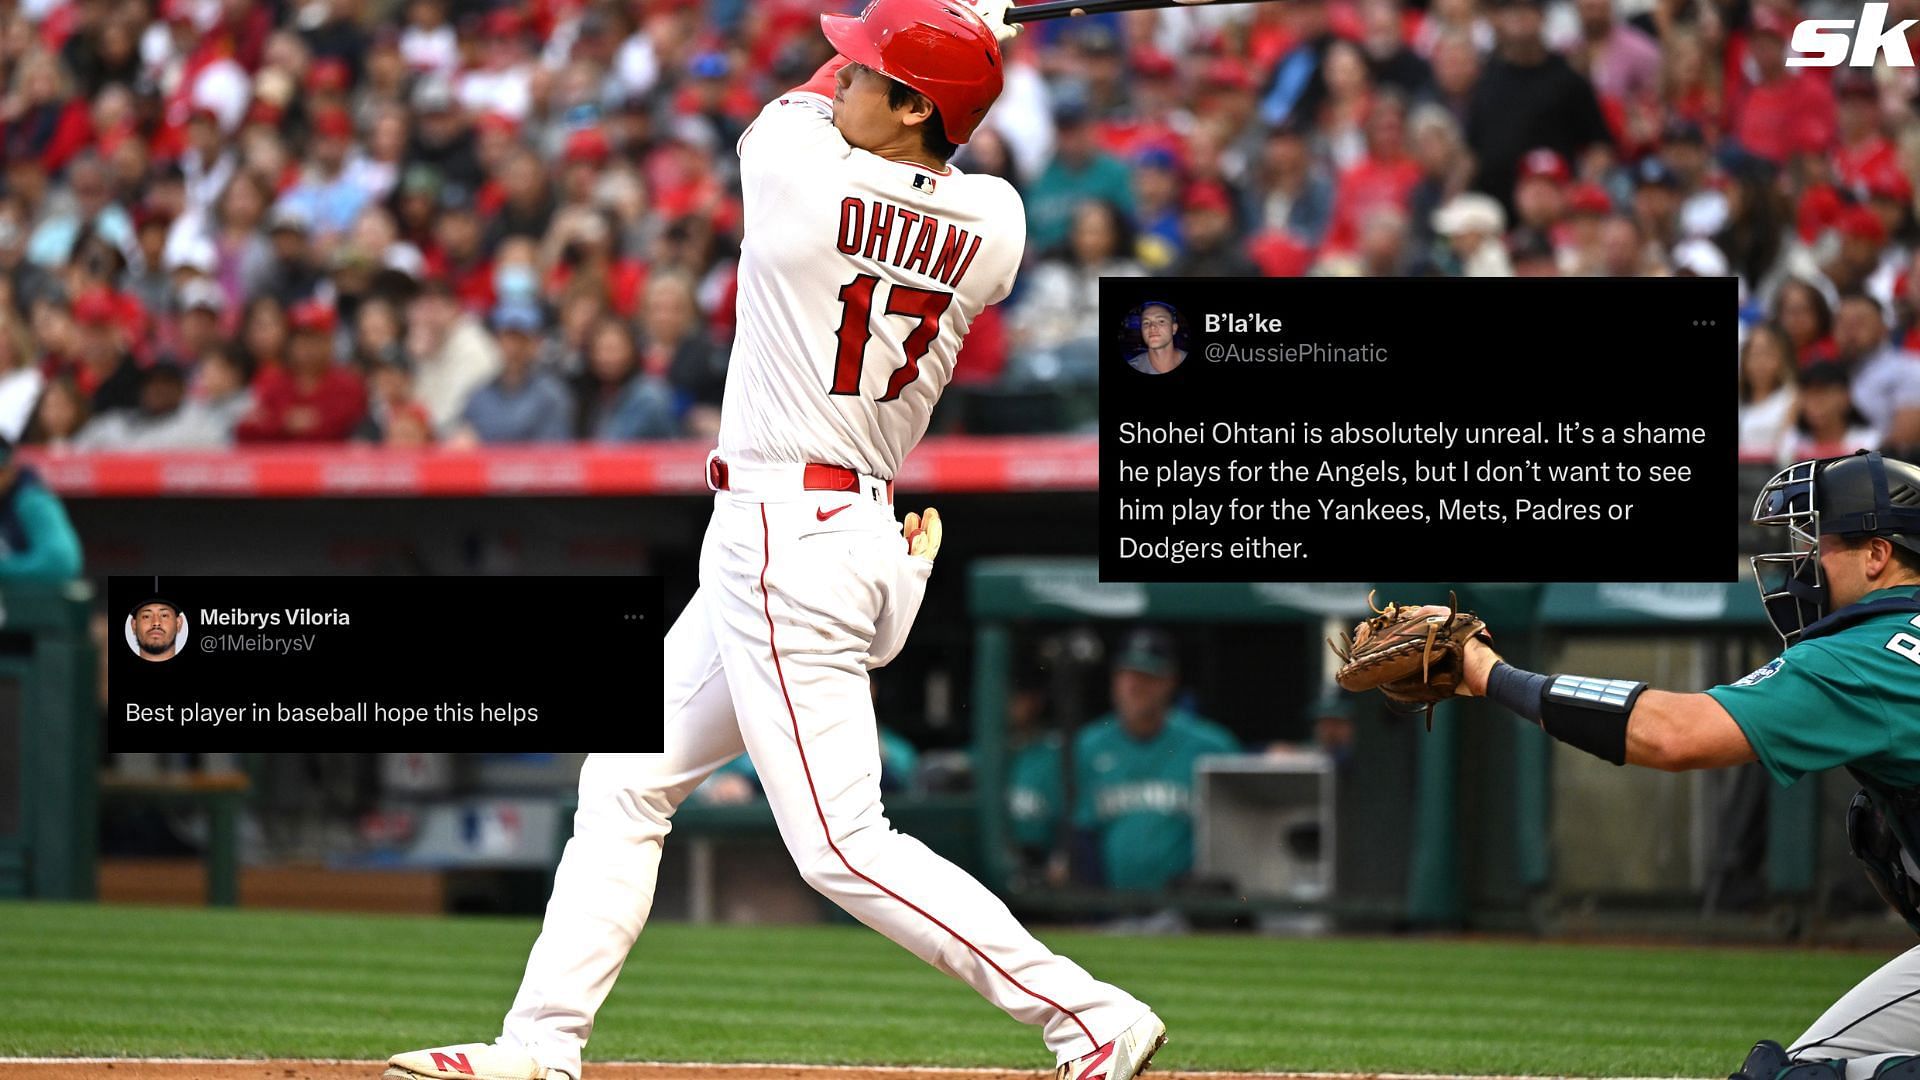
column 156, row 629
column 1157, row 338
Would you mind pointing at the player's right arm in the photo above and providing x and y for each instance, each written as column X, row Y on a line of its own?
column 794, row 126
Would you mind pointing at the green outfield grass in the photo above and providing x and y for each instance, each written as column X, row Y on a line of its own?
column 85, row 980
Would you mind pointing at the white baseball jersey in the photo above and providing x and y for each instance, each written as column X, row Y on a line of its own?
column 859, row 277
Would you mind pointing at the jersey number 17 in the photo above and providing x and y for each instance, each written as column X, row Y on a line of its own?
column 856, row 326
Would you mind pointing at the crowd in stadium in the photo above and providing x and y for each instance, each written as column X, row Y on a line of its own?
column 430, row 221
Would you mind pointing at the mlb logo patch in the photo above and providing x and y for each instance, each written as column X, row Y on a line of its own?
column 923, row 183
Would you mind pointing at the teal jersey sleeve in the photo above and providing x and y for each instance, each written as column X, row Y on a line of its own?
column 1852, row 698
column 53, row 549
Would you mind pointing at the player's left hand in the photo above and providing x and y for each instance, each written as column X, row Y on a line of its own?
column 1416, row 655
column 1477, row 662
column 994, row 14
column 923, row 533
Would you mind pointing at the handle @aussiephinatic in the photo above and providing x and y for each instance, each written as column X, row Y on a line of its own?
column 1061, row 9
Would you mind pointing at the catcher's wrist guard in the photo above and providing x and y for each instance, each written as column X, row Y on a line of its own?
column 1517, row 689
column 1586, row 714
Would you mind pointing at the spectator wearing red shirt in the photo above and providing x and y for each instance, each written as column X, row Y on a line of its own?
column 1385, row 177
column 313, row 399
column 586, row 259
column 1863, row 150
column 1156, row 116
column 1788, row 111
column 457, row 255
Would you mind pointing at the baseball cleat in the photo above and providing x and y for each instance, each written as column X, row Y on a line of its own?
column 1122, row 1059
column 468, row 1061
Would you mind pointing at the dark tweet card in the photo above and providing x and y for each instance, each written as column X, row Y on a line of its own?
column 362, row 664
column 1451, row 429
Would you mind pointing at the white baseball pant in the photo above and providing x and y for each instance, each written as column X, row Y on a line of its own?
column 797, row 600
column 1878, row 1019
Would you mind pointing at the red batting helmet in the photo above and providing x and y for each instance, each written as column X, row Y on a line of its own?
column 939, row 47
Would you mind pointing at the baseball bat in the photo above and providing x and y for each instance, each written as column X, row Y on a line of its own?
column 1061, row 9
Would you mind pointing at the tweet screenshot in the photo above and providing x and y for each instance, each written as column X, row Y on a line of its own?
column 1477, row 429
column 250, row 664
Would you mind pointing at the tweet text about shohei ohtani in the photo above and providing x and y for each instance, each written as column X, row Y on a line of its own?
column 1452, row 429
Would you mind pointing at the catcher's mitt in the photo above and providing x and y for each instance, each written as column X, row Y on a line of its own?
column 1414, row 655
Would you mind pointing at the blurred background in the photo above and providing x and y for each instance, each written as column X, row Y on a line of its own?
column 438, row 287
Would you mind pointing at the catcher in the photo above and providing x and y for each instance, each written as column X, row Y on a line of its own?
column 1845, row 597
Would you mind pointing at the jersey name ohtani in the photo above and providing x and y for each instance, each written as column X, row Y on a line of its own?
column 912, row 241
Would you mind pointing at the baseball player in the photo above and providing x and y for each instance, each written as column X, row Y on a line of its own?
column 1845, row 597
column 865, row 259
column 1134, row 769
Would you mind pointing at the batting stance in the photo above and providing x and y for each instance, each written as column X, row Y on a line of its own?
column 866, row 257
column 1845, row 597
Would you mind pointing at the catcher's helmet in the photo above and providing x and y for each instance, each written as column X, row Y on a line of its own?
column 941, row 48
column 1863, row 495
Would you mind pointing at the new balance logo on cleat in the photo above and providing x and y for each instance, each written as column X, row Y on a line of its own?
column 1096, row 1060
column 478, row 1061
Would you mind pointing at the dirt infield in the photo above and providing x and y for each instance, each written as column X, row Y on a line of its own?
column 93, row 1069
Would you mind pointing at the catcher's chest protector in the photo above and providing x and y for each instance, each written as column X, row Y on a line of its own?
column 1883, row 821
